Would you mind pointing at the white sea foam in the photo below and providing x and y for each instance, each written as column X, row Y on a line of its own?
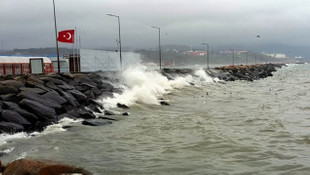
column 51, row 129
column 5, row 138
column 203, row 75
column 22, row 155
column 145, row 86
column 8, row 150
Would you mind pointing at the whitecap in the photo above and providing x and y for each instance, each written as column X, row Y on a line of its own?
column 204, row 76
column 144, row 86
column 58, row 127
column 5, row 138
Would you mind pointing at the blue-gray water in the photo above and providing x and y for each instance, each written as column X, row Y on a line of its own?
column 259, row 127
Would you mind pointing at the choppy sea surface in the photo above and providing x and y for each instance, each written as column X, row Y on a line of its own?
column 260, row 127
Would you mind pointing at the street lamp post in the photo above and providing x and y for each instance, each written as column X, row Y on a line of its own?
column 233, row 57
column 246, row 58
column 207, row 54
column 119, row 40
column 159, row 46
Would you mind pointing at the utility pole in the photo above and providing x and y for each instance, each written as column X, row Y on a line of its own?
column 233, row 57
column 246, row 58
column 57, row 49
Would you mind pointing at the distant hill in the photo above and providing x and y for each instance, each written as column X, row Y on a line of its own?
column 290, row 51
column 180, row 48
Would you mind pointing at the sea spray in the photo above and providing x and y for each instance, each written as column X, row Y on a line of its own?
column 58, row 127
column 144, row 86
column 204, row 78
column 203, row 75
column 5, row 138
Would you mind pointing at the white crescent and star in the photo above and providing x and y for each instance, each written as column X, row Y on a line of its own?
column 69, row 36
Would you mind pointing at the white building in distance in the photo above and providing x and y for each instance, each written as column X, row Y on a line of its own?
column 277, row 55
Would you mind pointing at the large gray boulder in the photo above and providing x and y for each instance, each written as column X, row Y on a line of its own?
column 89, row 94
column 50, row 79
column 70, row 98
column 15, row 107
column 14, row 83
column 9, row 127
column 81, row 113
column 43, row 112
column 8, row 90
column 82, row 78
column 38, row 98
column 79, row 96
column 55, row 97
column 106, row 87
column 14, row 117
column 96, row 91
column 1, row 105
column 52, row 85
column 34, row 79
column 35, row 90
column 66, row 87
column 10, row 97
column 37, row 85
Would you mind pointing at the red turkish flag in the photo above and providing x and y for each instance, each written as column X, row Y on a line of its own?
column 66, row 36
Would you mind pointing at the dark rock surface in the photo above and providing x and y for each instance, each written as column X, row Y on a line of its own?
column 14, row 117
column 31, row 102
column 242, row 72
column 9, row 127
column 164, row 103
column 42, row 111
column 123, row 106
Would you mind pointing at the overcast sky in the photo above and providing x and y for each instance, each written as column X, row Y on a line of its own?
column 29, row 23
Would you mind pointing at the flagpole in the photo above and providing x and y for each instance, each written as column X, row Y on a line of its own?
column 75, row 40
column 79, row 53
column 57, row 49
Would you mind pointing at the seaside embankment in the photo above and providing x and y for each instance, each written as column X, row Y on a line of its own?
column 30, row 103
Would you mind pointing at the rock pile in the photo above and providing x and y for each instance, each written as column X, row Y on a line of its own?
column 248, row 73
column 31, row 102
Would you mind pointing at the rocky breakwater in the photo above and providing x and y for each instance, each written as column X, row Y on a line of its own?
column 31, row 102
column 244, row 72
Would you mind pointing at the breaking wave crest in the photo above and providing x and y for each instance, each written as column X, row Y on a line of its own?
column 145, row 86
column 203, row 76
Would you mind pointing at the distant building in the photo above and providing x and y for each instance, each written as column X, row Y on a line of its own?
column 195, row 53
column 277, row 55
column 231, row 51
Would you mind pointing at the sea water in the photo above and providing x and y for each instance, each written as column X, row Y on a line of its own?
column 212, row 127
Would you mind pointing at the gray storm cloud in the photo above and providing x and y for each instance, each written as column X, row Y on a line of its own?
column 26, row 24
